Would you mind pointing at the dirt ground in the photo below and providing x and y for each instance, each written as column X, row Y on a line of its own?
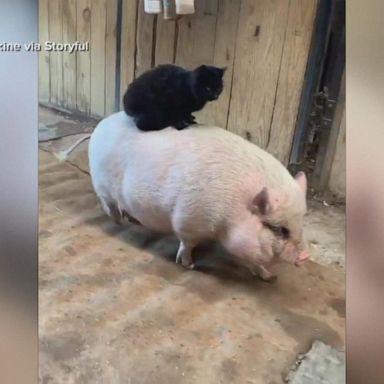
column 115, row 308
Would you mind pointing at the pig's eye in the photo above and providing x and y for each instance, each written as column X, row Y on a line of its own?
column 279, row 231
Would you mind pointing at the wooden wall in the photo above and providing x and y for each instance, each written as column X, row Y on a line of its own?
column 337, row 178
column 82, row 81
column 263, row 43
column 333, row 167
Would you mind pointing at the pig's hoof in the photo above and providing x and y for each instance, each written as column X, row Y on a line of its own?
column 264, row 275
column 186, row 265
column 268, row 279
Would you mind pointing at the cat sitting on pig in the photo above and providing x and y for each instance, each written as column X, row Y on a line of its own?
column 200, row 184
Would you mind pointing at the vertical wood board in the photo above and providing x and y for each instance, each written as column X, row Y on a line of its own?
column 110, row 57
column 144, row 40
column 69, row 59
column 83, row 75
column 196, row 38
column 97, row 52
column 165, row 41
column 56, row 58
column 128, row 45
column 259, row 48
column 216, row 112
column 44, row 62
column 337, row 181
column 324, row 165
column 291, row 77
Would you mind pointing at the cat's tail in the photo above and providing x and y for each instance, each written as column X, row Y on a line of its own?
column 63, row 155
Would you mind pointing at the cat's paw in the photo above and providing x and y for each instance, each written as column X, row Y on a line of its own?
column 191, row 120
column 181, row 125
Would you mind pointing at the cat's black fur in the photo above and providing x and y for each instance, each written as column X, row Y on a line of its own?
column 167, row 95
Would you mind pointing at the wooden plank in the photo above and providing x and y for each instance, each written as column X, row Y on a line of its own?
column 259, row 48
column 110, row 58
column 56, row 58
column 216, row 113
column 44, row 65
column 325, row 165
column 196, row 38
column 165, row 41
column 128, row 45
column 338, row 170
column 83, row 71
column 69, row 59
column 292, row 71
column 144, row 40
column 98, row 32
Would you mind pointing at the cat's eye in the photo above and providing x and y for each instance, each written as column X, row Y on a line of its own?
column 279, row 231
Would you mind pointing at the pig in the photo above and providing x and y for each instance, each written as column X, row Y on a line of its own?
column 201, row 184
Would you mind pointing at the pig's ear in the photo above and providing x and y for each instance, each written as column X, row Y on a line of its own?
column 302, row 181
column 261, row 203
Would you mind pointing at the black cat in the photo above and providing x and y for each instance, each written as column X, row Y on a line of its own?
column 167, row 95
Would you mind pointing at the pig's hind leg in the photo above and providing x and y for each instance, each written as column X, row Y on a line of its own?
column 184, row 254
column 111, row 210
column 115, row 213
column 118, row 216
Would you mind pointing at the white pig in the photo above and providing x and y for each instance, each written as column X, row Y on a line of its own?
column 201, row 183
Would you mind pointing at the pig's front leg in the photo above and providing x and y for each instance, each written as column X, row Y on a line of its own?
column 265, row 275
column 184, row 255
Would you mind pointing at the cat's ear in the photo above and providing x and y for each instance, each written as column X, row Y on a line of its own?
column 222, row 71
column 202, row 69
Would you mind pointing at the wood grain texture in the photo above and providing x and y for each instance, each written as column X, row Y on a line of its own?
column 165, row 41
column 259, row 49
column 83, row 72
column 330, row 170
column 98, row 32
column 69, row 59
column 337, row 182
column 196, row 38
column 291, row 77
column 44, row 65
column 264, row 44
column 110, row 57
column 144, row 40
column 216, row 113
column 128, row 45
column 56, row 58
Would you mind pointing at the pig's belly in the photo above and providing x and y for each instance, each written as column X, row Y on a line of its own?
column 150, row 217
column 144, row 194
column 146, row 209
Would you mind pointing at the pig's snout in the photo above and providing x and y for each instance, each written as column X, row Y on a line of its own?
column 301, row 258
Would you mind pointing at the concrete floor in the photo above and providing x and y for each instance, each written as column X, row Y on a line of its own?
column 115, row 308
column 321, row 365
